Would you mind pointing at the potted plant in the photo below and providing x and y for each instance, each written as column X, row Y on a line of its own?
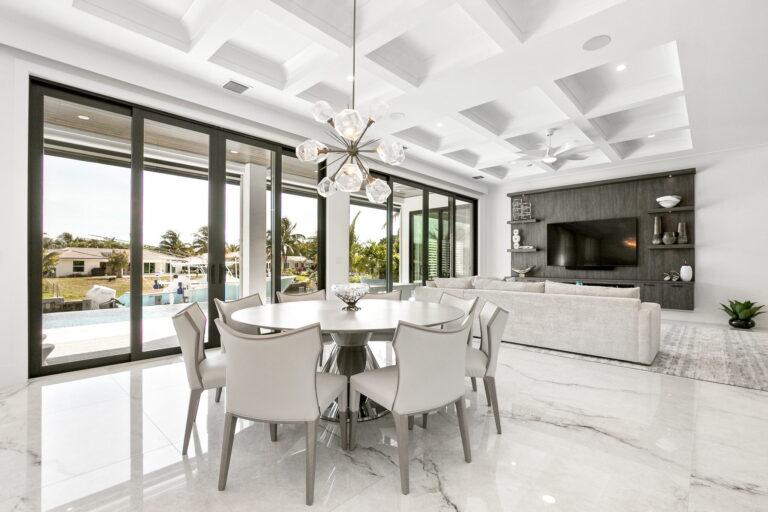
column 742, row 313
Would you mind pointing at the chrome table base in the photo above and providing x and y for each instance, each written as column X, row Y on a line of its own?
column 352, row 355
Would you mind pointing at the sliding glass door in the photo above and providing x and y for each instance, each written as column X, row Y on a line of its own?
column 135, row 214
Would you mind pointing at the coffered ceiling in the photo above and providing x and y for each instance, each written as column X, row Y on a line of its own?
column 472, row 83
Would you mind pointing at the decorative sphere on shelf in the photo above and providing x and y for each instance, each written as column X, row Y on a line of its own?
column 350, row 293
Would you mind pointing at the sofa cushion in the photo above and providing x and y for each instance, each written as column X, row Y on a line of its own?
column 475, row 280
column 594, row 291
column 510, row 286
column 453, row 282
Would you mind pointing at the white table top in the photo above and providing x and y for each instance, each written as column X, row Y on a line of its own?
column 374, row 315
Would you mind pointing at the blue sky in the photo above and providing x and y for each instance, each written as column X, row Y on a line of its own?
column 89, row 199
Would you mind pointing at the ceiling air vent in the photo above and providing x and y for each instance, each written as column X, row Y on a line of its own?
column 478, row 177
column 235, row 87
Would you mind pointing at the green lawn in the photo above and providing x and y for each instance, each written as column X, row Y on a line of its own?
column 75, row 288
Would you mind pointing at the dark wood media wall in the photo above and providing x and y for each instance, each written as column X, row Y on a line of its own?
column 630, row 197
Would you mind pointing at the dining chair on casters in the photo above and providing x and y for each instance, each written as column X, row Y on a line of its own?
column 429, row 374
column 203, row 372
column 272, row 378
column 482, row 362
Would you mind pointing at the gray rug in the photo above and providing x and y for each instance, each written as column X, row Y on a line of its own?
column 703, row 352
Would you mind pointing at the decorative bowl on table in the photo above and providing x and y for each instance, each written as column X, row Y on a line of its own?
column 668, row 201
column 350, row 293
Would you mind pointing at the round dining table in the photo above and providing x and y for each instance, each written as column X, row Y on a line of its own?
column 350, row 330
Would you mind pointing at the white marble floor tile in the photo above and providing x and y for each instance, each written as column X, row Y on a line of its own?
column 577, row 436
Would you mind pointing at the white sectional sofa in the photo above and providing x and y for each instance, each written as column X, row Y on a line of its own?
column 598, row 321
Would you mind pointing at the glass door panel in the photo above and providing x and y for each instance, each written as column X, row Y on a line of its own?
column 247, row 219
column 439, row 237
column 465, row 239
column 367, row 242
column 175, row 228
column 407, row 238
column 86, row 199
column 298, row 226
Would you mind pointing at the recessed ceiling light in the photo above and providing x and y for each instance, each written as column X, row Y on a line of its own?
column 548, row 499
column 439, row 124
column 84, row 118
column 350, row 78
column 233, row 151
column 621, row 67
column 597, row 42
column 651, row 135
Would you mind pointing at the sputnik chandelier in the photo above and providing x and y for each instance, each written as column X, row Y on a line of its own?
column 348, row 128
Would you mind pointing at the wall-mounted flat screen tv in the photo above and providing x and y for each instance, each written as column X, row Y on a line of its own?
column 593, row 244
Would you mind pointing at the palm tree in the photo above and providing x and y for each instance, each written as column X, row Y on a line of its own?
column 117, row 261
column 50, row 260
column 171, row 243
column 64, row 239
column 290, row 241
column 200, row 241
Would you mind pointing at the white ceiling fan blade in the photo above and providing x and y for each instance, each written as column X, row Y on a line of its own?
column 575, row 156
column 538, row 153
column 527, row 158
column 571, row 144
column 574, row 150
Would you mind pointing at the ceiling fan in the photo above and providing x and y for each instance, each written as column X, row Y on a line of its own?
column 549, row 155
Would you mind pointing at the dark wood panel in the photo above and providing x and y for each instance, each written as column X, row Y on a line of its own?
column 677, row 296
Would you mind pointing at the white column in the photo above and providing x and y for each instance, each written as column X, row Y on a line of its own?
column 253, row 221
column 337, row 239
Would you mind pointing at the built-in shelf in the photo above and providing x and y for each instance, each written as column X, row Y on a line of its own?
column 522, row 250
column 671, row 210
column 526, row 221
column 673, row 246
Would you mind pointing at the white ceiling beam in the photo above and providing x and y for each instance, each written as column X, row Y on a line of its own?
column 214, row 23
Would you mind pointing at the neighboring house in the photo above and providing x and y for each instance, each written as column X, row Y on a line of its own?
column 89, row 260
column 296, row 263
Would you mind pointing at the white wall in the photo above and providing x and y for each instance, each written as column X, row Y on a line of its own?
column 731, row 233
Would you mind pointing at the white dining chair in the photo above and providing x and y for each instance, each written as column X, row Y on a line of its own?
column 393, row 295
column 203, row 372
column 297, row 297
column 272, row 378
column 482, row 362
column 429, row 374
column 226, row 309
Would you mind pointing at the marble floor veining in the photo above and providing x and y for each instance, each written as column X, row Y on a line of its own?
column 577, row 436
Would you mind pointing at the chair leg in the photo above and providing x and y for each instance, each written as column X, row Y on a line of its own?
column 344, row 430
column 218, row 395
column 401, row 427
column 194, row 402
column 424, row 417
column 487, row 392
column 410, row 422
column 352, row 430
column 461, row 416
column 490, row 382
column 230, row 421
column 474, row 384
column 273, row 432
column 311, row 457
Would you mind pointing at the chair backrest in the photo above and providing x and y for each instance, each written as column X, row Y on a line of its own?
column 493, row 319
column 393, row 295
column 468, row 306
column 226, row 309
column 190, row 330
column 296, row 297
column 272, row 377
column 430, row 366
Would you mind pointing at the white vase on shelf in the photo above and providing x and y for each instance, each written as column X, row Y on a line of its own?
column 686, row 272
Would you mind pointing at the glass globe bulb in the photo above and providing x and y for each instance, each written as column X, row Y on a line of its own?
column 377, row 191
column 349, row 124
column 391, row 152
column 349, row 178
column 310, row 151
column 379, row 110
column 326, row 187
column 322, row 111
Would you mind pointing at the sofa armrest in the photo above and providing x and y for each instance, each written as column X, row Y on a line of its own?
column 649, row 332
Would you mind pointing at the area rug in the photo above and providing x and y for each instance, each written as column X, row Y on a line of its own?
column 703, row 352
